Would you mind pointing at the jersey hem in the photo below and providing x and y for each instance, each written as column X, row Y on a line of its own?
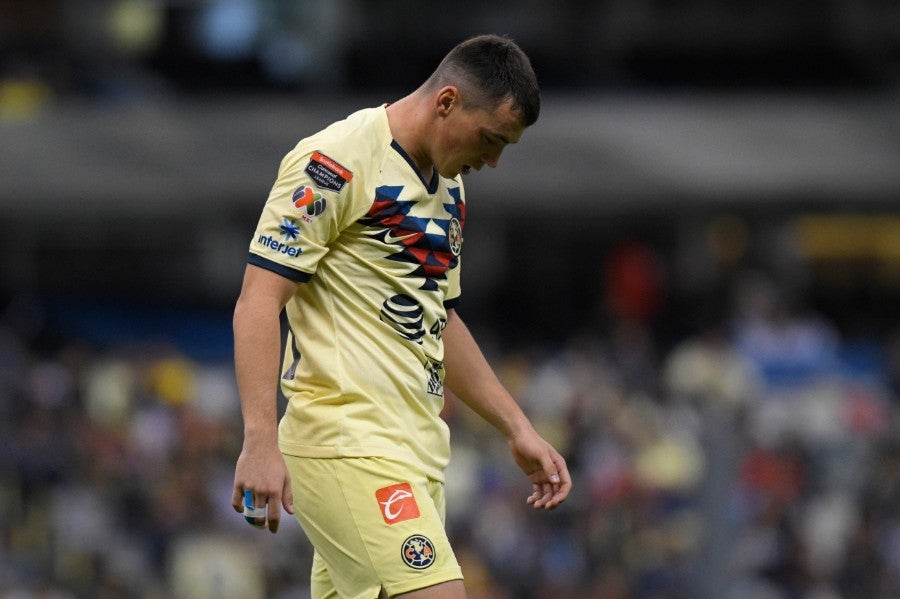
column 334, row 452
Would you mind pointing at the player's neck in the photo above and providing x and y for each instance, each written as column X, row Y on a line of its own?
column 408, row 124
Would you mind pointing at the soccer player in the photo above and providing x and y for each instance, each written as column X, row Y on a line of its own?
column 359, row 242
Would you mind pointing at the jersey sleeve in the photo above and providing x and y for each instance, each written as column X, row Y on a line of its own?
column 310, row 203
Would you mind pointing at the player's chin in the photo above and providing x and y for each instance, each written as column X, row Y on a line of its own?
column 452, row 172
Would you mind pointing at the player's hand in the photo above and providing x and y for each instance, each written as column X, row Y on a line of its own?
column 261, row 471
column 545, row 467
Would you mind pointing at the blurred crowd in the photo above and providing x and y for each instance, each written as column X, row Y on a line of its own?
column 120, row 50
column 755, row 458
column 739, row 447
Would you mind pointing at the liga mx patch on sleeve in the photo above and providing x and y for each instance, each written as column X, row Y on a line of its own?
column 326, row 173
column 397, row 503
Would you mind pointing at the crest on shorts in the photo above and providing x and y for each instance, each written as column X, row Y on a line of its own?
column 418, row 552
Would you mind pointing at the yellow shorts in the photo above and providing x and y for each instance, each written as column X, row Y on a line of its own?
column 374, row 523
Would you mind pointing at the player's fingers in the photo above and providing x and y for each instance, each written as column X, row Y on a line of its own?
column 274, row 516
column 535, row 494
column 565, row 485
column 254, row 508
column 265, row 501
column 544, row 493
column 557, row 482
column 550, row 469
column 549, row 490
column 560, row 491
column 287, row 496
column 237, row 498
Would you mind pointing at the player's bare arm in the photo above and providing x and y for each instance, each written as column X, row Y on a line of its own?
column 472, row 379
column 257, row 352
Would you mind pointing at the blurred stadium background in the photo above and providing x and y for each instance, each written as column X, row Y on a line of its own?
column 688, row 273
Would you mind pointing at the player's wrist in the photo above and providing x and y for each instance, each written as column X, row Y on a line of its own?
column 260, row 435
column 517, row 427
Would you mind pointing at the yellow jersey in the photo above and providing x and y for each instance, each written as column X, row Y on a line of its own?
column 377, row 251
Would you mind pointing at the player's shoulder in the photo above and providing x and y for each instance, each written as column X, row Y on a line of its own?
column 370, row 123
column 354, row 141
column 361, row 133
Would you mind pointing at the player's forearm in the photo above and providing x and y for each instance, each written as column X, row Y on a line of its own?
column 471, row 378
column 257, row 353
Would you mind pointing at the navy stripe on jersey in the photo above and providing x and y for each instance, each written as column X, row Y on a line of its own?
column 421, row 241
column 429, row 187
column 284, row 271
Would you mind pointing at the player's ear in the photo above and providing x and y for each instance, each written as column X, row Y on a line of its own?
column 447, row 100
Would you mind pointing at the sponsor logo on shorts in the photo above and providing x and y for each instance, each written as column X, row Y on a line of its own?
column 326, row 173
column 397, row 503
column 418, row 552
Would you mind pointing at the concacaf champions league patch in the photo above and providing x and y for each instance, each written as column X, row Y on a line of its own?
column 326, row 173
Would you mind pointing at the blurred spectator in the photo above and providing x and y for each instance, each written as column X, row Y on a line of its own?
column 745, row 461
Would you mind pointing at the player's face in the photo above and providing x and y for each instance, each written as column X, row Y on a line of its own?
column 475, row 137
